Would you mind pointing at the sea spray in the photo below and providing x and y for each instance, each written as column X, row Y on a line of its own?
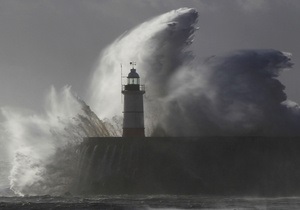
column 159, row 47
column 236, row 94
column 44, row 146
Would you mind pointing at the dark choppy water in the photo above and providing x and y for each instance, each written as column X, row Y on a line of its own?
column 148, row 202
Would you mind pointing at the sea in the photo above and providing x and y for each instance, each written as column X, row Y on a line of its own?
column 120, row 202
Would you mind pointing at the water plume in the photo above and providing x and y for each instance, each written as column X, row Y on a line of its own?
column 233, row 94
column 43, row 147
column 157, row 46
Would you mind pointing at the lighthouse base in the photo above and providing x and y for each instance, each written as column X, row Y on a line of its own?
column 133, row 132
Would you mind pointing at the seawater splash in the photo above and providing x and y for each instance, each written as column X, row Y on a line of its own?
column 159, row 47
column 43, row 147
column 237, row 94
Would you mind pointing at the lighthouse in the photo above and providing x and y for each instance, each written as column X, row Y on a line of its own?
column 133, row 91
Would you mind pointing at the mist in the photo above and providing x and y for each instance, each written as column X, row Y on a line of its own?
column 233, row 94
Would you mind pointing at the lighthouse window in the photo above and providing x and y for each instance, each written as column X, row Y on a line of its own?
column 133, row 81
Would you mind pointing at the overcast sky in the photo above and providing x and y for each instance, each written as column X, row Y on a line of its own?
column 58, row 42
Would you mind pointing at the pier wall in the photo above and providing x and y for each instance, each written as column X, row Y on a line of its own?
column 261, row 166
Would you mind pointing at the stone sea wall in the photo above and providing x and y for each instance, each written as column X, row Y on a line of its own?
column 252, row 166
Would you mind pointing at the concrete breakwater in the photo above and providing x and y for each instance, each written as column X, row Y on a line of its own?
column 260, row 166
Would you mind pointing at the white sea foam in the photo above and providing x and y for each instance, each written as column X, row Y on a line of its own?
column 42, row 145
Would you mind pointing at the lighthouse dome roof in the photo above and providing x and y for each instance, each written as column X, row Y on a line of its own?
column 133, row 74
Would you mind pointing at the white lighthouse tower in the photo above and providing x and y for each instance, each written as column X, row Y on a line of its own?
column 133, row 122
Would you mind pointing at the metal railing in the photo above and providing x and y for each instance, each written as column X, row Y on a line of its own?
column 133, row 87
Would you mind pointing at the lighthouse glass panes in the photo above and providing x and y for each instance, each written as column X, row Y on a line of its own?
column 133, row 81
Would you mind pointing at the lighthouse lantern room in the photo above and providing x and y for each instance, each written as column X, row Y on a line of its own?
column 133, row 91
